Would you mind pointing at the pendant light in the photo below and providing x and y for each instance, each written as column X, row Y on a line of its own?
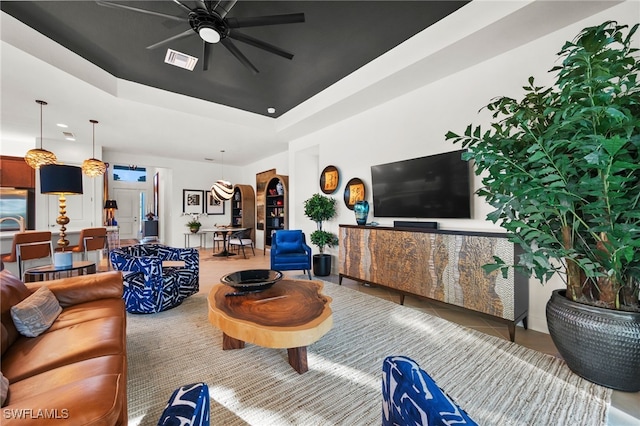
column 222, row 190
column 40, row 157
column 93, row 167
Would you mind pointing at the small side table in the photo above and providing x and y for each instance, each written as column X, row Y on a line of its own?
column 50, row 272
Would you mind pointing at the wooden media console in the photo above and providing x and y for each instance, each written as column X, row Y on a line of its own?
column 441, row 265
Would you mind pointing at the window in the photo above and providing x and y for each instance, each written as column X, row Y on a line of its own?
column 129, row 173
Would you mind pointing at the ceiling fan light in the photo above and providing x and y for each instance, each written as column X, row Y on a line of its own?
column 93, row 167
column 208, row 34
column 39, row 157
column 222, row 190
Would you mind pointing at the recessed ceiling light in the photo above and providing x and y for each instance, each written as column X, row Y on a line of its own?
column 64, row 126
column 271, row 110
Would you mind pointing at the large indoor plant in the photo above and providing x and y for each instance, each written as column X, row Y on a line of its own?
column 561, row 167
column 320, row 208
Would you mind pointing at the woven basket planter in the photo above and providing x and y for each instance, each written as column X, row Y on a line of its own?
column 600, row 345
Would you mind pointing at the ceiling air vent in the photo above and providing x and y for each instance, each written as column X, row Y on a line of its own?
column 69, row 136
column 180, row 59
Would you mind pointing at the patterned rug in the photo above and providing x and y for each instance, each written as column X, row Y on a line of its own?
column 497, row 382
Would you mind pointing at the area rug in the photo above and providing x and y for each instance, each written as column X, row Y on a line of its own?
column 497, row 382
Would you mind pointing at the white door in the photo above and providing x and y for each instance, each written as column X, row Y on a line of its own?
column 128, row 213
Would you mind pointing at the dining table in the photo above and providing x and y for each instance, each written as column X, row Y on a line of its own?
column 225, row 231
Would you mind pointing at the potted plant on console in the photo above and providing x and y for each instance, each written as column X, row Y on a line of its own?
column 320, row 208
column 561, row 167
column 194, row 224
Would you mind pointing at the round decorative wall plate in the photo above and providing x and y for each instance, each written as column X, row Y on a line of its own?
column 329, row 180
column 354, row 191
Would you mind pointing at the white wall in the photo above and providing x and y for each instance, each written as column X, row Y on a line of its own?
column 414, row 125
column 175, row 176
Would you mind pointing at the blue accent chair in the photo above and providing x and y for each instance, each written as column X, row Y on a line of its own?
column 150, row 288
column 290, row 252
column 411, row 397
column 188, row 405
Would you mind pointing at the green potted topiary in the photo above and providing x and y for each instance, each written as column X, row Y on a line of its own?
column 320, row 208
column 561, row 167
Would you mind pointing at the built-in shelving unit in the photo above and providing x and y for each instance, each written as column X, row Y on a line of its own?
column 243, row 208
column 276, row 208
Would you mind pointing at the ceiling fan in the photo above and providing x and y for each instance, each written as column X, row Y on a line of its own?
column 208, row 20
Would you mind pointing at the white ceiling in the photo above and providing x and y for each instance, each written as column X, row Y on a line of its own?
column 138, row 119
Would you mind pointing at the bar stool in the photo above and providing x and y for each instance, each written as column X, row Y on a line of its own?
column 29, row 245
column 91, row 239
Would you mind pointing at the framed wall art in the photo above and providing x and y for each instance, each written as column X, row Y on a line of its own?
column 354, row 191
column 329, row 180
column 192, row 201
column 213, row 206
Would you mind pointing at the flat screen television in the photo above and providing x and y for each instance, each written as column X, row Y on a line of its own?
column 436, row 186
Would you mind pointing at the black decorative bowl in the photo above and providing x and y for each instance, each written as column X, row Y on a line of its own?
column 252, row 279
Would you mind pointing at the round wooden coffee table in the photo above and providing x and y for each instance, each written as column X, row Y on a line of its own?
column 292, row 314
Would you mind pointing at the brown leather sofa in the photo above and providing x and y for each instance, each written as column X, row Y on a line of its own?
column 75, row 373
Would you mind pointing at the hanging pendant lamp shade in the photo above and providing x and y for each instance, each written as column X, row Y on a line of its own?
column 222, row 190
column 93, row 167
column 40, row 157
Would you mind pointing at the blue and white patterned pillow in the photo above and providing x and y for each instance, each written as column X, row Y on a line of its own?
column 411, row 397
column 188, row 406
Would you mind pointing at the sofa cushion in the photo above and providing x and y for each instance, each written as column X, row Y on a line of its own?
column 84, row 288
column 96, row 400
column 56, row 348
column 35, row 314
column 41, row 384
column 13, row 292
column 84, row 312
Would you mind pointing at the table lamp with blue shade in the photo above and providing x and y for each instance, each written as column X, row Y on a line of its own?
column 61, row 180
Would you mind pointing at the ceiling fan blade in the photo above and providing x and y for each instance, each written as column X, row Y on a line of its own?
column 206, row 50
column 238, row 54
column 135, row 9
column 202, row 5
column 223, row 7
column 259, row 21
column 183, row 6
column 260, row 44
column 170, row 39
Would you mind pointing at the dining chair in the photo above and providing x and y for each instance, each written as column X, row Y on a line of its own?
column 218, row 238
column 29, row 245
column 240, row 239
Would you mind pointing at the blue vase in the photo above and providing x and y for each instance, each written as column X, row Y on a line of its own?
column 361, row 209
